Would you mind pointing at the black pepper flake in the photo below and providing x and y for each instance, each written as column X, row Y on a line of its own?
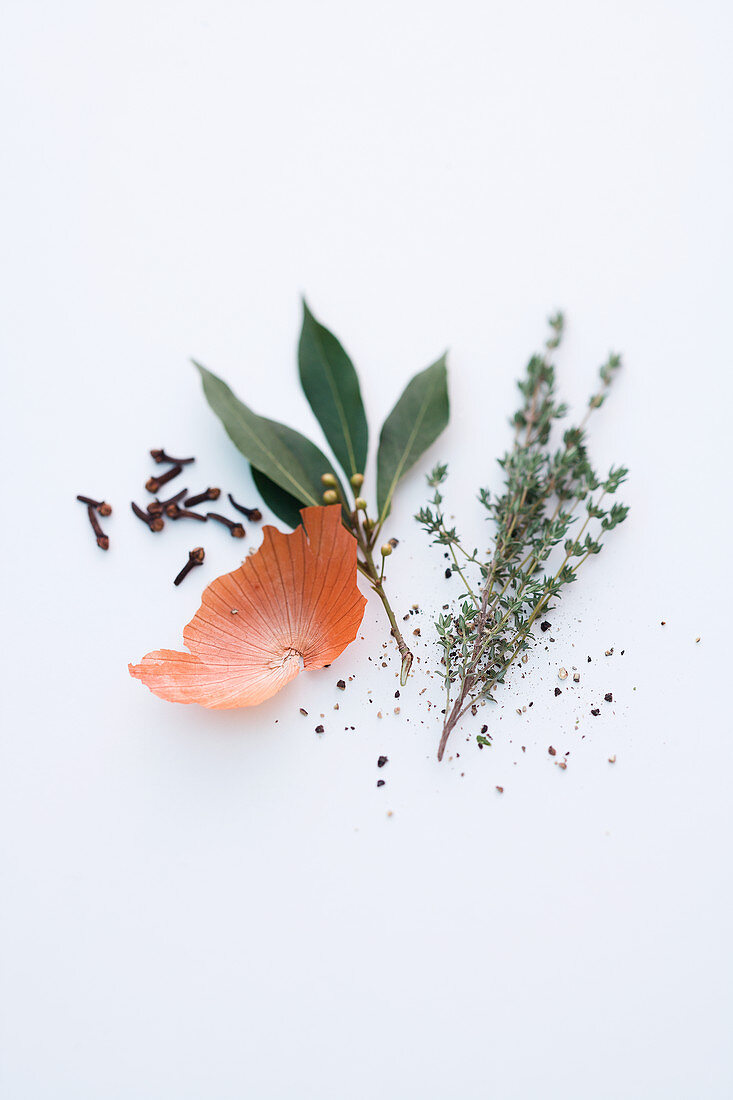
column 608, row 697
column 304, row 711
column 397, row 694
column 382, row 761
column 595, row 712
column 320, row 729
column 544, row 626
column 341, row 685
column 558, row 691
column 589, row 660
column 448, row 574
column 484, row 729
column 380, row 782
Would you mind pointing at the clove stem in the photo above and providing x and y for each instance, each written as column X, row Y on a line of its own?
column 253, row 514
column 195, row 557
column 153, row 484
column 236, row 530
column 101, row 506
column 159, row 455
column 102, row 540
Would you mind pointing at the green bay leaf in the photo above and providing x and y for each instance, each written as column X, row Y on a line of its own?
column 415, row 422
column 285, row 506
column 282, row 454
column 331, row 385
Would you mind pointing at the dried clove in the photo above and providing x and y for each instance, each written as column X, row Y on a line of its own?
column 236, row 530
column 174, row 512
column 208, row 494
column 157, row 507
column 155, row 523
column 102, row 540
column 251, row 513
column 160, row 456
column 101, row 506
column 154, row 483
column 195, row 557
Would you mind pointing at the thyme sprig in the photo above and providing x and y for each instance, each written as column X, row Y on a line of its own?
column 548, row 521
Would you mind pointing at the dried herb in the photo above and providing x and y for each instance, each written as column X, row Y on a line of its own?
column 153, row 484
column 547, row 522
column 154, row 520
column 173, row 511
column 157, row 507
column 100, row 506
column 102, row 540
column 291, row 472
column 159, row 456
column 253, row 514
column 236, row 530
column 195, row 557
column 199, row 498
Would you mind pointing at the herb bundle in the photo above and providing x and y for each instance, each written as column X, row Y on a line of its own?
column 291, row 472
column 548, row 521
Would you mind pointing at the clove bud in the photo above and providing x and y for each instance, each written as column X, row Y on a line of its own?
column 101, row 506
column 157, row 507
column 160, row 456
column 155, row 523
column 195, row 557
column 102, row 540
column 174, row 512
column 236, row 530
column 154, row 483
column 208, row 494
column 253, row 514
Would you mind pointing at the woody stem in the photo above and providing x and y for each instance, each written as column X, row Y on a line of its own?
column 369, row 569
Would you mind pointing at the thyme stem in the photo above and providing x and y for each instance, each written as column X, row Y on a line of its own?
column 545, row 487
column 376, row 578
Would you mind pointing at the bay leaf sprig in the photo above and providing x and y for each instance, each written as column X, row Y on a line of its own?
column 290, row 471
column 547, row 521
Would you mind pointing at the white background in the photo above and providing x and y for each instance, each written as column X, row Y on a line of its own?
column 200, row 905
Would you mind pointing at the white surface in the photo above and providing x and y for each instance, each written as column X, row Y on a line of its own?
column 218, row 906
